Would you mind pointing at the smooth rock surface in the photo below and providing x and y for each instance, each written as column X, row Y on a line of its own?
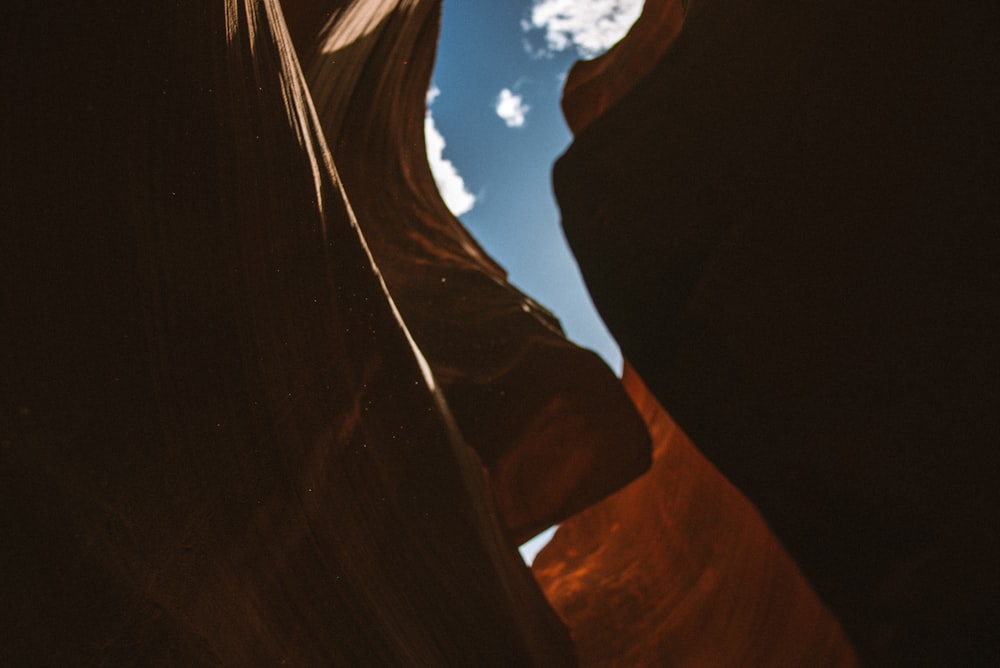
column 678, row 569
column 549, row 420
column 218, row 442
column 789, row 227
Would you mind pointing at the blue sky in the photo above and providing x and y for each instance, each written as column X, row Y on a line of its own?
column 494, row 128
column 512, row 57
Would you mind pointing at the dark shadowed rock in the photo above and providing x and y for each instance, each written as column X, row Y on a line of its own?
column 593, row 86
column 218, row 444
column 788, row 225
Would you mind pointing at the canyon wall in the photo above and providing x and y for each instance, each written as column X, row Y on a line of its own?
column 787, row 222
column 220, row 443
column 678, row 569
column 265, row 401
column 548, row 419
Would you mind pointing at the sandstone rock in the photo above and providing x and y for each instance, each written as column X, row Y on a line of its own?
column 549, row 420
column 219, row 444
column 678, row 569
column 788, row 226
column 593, row 86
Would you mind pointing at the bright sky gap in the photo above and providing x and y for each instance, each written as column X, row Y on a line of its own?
column 493, row 128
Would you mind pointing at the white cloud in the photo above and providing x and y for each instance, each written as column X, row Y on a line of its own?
column 450, row 183
column 511, row 108
column 591, row 27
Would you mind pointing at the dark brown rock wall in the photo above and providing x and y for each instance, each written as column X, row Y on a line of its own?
column 218, row 443
column 549, row 420
column 593, row 86
column 788, row 225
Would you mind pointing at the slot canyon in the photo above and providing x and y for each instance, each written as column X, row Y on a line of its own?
column 265, row 400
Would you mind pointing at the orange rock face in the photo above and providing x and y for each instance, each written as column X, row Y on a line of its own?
column 787, row 224
column 265, row 402
column 548, row 419
column 678, row 569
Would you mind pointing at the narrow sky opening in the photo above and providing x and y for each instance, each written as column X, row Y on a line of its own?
column 494, row 128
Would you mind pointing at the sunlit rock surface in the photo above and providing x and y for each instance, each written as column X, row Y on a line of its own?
column 789, row 227
column 678, row 569
column 218, row 443
column 548, row 419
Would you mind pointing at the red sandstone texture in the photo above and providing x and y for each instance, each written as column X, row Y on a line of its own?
column 548, row 419
column 678, row 569
column 788, row 225
column 245, row 422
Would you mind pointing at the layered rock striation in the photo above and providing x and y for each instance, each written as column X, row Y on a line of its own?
column 679, row 569
column 265, row 401
column 220, row 443
column 548, row 419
